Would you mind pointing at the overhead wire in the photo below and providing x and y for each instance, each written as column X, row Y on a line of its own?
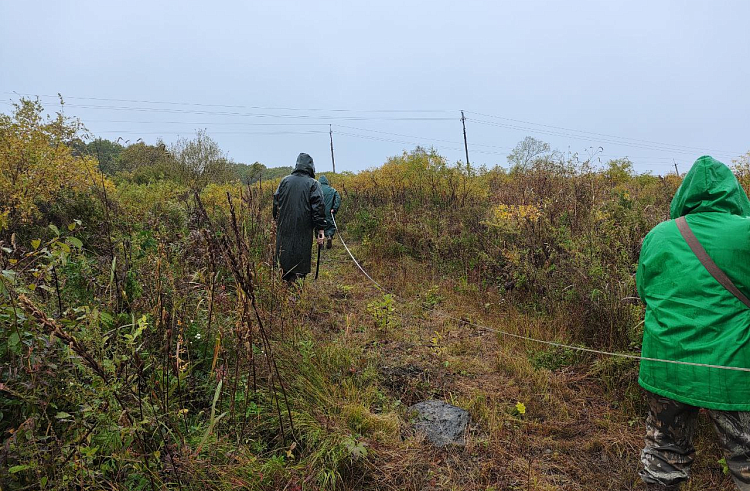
column 651, row 144
column 474, row 151
column 202, row 123
column 474, row 144
column 346, row 134
column 588, row 138
column 351, row 115
column 591, row 132
column 128, row 132
column 238, row 106
column 420, row 137
column 258, row 115
column 405, row 142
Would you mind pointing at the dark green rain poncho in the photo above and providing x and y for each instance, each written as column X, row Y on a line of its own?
column 689, row 315
column 332, row 202
column 299, row 210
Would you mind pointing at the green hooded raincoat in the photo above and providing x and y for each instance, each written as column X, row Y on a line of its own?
column 298, row 209
column 689, row 315
column 332, row 201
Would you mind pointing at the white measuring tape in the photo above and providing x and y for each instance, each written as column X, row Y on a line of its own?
column 540, row 341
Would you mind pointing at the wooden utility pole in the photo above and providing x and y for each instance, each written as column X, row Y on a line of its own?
column 675, row 167
column 333, row 161
column 466, row 145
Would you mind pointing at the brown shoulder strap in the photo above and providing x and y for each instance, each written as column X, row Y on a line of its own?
column 707, row 262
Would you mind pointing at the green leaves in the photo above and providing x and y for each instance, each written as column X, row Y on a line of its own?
column 14, row 342
column 213, row 419
column 75, row 242
column 355, row 448
column 141, row 326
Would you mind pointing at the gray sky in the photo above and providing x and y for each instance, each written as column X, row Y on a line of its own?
column 671, row 77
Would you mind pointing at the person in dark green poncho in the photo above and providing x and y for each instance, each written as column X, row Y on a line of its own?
column 691, row 317
column 298, row 209
column 332, row 202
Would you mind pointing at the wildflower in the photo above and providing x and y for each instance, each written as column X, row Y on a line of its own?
column 521, row 408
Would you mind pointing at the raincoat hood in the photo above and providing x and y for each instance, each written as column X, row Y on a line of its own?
column 710, row 186
column 305, row 165
column 323, row 180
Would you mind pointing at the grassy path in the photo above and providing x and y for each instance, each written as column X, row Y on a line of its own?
column 541, row 419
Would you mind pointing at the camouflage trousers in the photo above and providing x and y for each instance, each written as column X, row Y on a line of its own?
column 669, row 451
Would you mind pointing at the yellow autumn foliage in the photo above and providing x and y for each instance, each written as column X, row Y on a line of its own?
column 503, row 212
column 38, row 162
column 417, row 176
column 214, row 196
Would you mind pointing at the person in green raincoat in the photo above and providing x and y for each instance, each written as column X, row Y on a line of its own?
column 332, row 202
column 691, row 317
column 298, row 209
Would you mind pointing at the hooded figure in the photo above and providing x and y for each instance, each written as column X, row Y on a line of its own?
column 298, row 209
column 691, row 317
column 332, row 201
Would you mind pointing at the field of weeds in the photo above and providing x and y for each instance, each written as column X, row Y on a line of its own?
column 147, row 341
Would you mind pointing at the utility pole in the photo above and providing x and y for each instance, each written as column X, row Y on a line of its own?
column 466, row 145
column 333, row 161
column 675, row 167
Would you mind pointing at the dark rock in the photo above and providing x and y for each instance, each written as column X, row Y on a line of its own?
column 442, row 423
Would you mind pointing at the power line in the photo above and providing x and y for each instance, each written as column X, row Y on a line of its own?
column 649, row 144
column 235, row 123
column 579, row 137
column 258, row 115
column 255, row 115
column 597, row 140
column 236, row 106
column 272, row 124
column 405, row 142
column 129, row 132
column 345, row 134
column 418, row 137
column 655, row 146
column 203, row 123
column 484, row 152
column 597, row 134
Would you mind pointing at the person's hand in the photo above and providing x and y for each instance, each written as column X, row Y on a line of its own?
column 321, row 237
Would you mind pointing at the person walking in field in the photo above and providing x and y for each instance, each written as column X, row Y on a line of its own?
column 299, row 209
column 694, row 277
column 332, row 202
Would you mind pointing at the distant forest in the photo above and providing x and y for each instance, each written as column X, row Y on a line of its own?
column 142, row 162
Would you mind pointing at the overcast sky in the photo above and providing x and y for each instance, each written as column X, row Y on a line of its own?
column 652, row 80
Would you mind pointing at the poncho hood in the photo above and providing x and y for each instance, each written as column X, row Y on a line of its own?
column 305, row 165
column 710, row 186
column 323, row 180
